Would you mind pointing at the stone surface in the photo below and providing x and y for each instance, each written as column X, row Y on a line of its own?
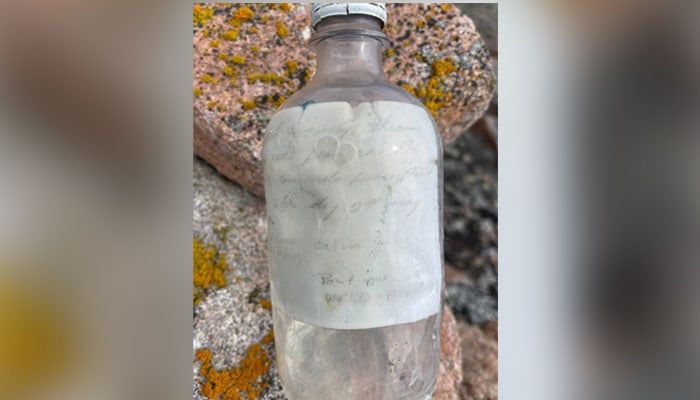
column 480, row 362
column 232, row 320
column 249, row 58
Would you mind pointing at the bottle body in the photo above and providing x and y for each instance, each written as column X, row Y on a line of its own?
column 353, row 186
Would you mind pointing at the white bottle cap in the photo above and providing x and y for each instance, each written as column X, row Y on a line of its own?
column 320, row 11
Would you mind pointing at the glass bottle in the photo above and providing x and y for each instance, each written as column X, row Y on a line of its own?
column 353, row 187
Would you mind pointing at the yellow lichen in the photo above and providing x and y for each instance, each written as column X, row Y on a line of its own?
column 253, row 30
column 221, row 108
column 282, row 30
column 208, row 264
column 420, row 24
column 247, row 104
column 197, row 91
column 445, row 7
column 238, row 383
column 291, row 66
column 206, row 78
column 409, row 89
column 390, row 53
column 255, row 48
column 215, row 43
column 228, row 71
column 201, row 15
column 443, row 67
column 243, row 14
column 211, row 105
column 205, row 33
column 223, row 56
column 264, row 19
column 266, row 304
column 285, row 7
column 230, row 35
column 239, row 60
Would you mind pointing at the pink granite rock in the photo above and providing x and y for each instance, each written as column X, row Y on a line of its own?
column 450, row 370
column 249, row 58
column 480, row 363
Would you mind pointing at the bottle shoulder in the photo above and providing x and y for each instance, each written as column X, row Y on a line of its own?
column 353, row 94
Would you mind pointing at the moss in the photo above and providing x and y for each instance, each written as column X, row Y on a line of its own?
column 282, row 30
column 208, row 265
column 245, row 381
column 230, row 35
column 206, row 78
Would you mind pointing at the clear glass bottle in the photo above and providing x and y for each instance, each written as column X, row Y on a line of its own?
column 353, row 187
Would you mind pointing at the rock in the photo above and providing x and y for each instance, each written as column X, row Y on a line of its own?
column 232, row 322
column 480, row 363
column 249, row 58
column 485, row 18
column 450, row 370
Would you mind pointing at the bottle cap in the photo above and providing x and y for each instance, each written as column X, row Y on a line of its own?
column 320, row 11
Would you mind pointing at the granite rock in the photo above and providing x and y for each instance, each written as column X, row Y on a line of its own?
column 249, row 58
column 480, row 361
column 231, row 320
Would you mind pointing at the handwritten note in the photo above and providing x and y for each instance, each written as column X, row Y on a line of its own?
column 353, row 206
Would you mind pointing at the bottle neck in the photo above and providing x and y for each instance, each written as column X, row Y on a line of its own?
column 349, row 50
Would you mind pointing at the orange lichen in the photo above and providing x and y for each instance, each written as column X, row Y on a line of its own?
column 247, row 104
column 266, row 304
column 208, row 264
column 443, row 67
column 445, row 7
column 269, row 338
column 230, row 35
column 282, row 30
column 409, row 89
column 291, row 66
column 238, row 383
column 201, row 15
column 244, row 14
